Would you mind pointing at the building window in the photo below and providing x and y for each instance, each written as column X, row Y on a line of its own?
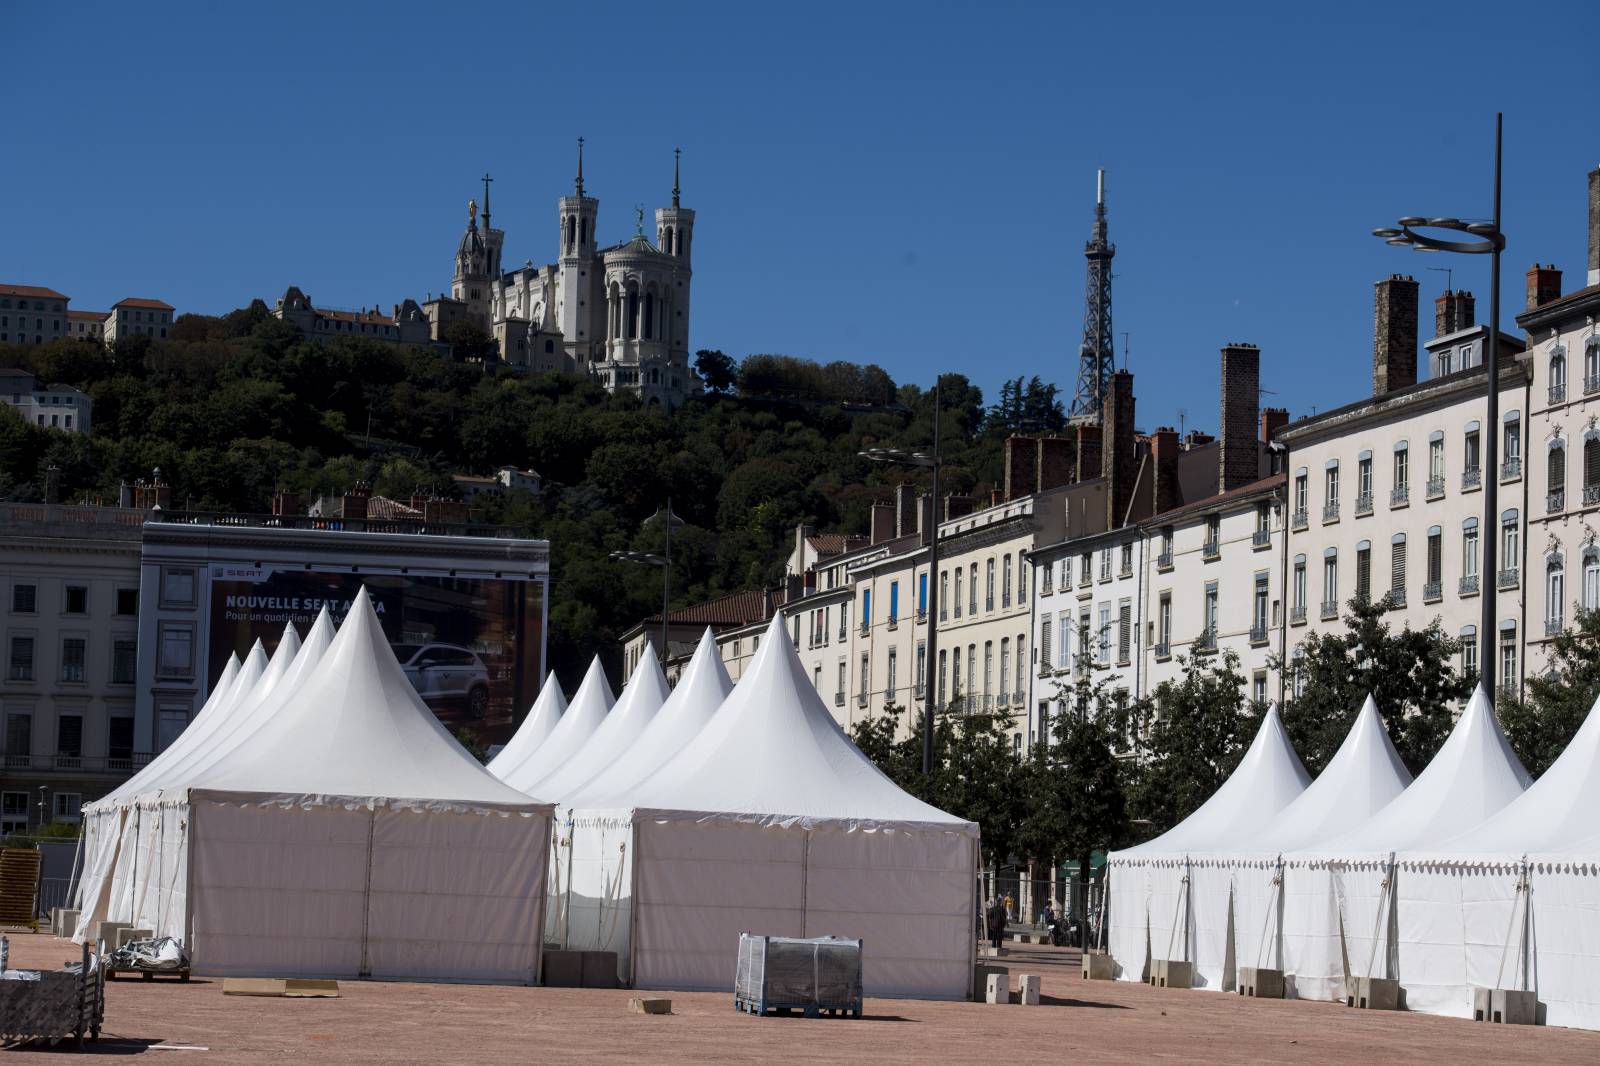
column 1511, row 446
column 972, row 587
column 1364, row 571
column 1591, row 467
column 1508, row 654
column 1209, row 635
column 988, row 669
column 1127, row 559
column 1331, row 486
column 944, row 593
column 1470, row 460
column 177, row 651
column 1330, row 583
column 1105, row 634
column 13, row 812
column 127, row 602
column 1258, row 688
column 894, row 602
column 177, row 587
column 1259, row 608
column 922, row 596
column 1300, row 497
column 1005, row 580
column 1105, row 564
column 1005, row 667
column 24, row 599
column 1555, row 500
column 1300, row 586
column 1364, row 481
column 1558, row 375
column 77, row 599
column 1555, row 585
column 171, row 720
column 1064, row 639
column 866, row 677
column 943, row 659
column 1509, row 548
column 69, row 736
column 1124, row 631
column 1047, row 579
column 1085, row 568
column 1022, row 578
column 1591, row 579
column 1164, row 624
column 124, row 658
column 72, row 658
column 958, row 592
column 894, row 662
column 1044, row 643
column 1397, row 567
column 1469, row 652
column 1469, row 555
column 866, row 608
column 1213, row 541
column 21, row 665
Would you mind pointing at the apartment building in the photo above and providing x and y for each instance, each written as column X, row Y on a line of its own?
column 1385, row 494
column 69, row 590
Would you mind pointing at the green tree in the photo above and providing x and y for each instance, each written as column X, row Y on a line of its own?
column 1409, row 674
column 1198, row 729
column 719, row 372
column 469, row 343
column 1541, row 726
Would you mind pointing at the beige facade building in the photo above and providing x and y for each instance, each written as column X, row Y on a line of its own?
column 405, row 324
column 32, row 314
column 87, row 325
column 138, row 316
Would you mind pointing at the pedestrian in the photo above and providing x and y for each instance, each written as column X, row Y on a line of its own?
column 1049, row 915
column 997, row 923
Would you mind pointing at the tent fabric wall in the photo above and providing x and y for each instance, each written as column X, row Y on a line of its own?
column 908, row 894
column 591, row 884
column 345, row 889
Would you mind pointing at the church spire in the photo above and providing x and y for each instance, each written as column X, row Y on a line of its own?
column 675, row 153
column 486, row 180
column 580, row 166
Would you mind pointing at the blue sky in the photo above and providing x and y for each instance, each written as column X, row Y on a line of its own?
column 907, row 184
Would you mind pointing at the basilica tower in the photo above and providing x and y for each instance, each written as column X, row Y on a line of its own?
column 675, row 237
column 578, row 214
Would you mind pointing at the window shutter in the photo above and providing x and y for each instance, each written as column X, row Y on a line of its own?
column 1591, row 462
column 1364, row 574
column 1558, row 469
column 1397, row 566
column 1435, row 551
column 1124, row 631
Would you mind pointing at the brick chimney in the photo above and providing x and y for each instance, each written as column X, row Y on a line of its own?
column 353, row 504
column 1022, row 467
column 286, row 503
column 1544, row 285
column 1088, row 451
column 1118, row 459
column 1594, row 226
column 1164, row 452
column 925, row 516
column 1238, row 461
column 882, row 522
column 1272, row 420
column 958, row 507
column 1394, row 334
column 1055, row 463
column 905, row 509
column 1453, row 310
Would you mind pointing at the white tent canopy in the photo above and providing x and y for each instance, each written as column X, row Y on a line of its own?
column 701, row 690
column 583, row 716
column 351, row 835
column 542, row 719
column 1339, row 911
column 641, row 698
column 771, row 820
column 1147, row 882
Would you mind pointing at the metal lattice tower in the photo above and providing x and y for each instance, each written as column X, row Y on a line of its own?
column 1097, row 354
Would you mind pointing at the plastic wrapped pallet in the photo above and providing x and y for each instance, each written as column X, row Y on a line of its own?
column 809, row 973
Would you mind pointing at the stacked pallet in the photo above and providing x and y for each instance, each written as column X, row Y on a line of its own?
column 19, row 887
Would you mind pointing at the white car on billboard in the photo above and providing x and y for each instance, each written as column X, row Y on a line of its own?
column 446, row 675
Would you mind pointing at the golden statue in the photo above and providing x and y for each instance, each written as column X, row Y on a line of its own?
column 472, row 212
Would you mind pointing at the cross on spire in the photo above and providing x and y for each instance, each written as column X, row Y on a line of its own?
column 580, row 166
column 486, row 180
column 676, row 152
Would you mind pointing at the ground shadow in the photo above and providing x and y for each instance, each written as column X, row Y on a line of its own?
column 1061, row 1001
column 106, row 1045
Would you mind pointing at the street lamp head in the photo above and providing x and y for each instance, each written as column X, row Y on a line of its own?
column 1413, row 220
column 1445, row 223
column 1386, row 232
column 1399, row 242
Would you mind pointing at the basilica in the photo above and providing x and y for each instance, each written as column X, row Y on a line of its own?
column 619, row 314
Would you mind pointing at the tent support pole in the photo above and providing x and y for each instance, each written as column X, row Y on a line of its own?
column 366, row 895
column 1527, row 927
column 633, row 907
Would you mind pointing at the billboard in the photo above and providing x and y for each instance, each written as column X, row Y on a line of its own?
column 470, row 645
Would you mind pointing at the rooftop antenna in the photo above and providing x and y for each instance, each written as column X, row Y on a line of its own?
column 1125, row 349
column 1449, row 277
column 1097, row 357
column 1182, row 414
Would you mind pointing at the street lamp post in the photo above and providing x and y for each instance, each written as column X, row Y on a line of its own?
column 932, row 461
column 1492, row 242
column 664, row 561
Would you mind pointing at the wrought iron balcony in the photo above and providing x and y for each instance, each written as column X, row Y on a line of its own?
column 1431, row 591
column 1164, row 560
column 1211, row 549
column 1553, row 627
column 988, row 604
column 1330, row 610
column 866, row 628
column 1258, row 633
column 1511, row 469
column 1591, row 384
column 1591, row 494
column 893, row 624
column 123, row 764
column 1261, row 538
column 838, row 699
column 918, row 689
column 1206, row 642
column 861, row 700
column 1125, row 571
column 1399, row 496
column 1397, row 597
column 1298, row 520
column 1004, row 700
column 1435, row 487
column 1018, row 698
column 1467, row 586
column 1005, row 599
column 1297, row 615
column 922, row 615
column 1558, row 393
column 1364, row 503
column 1507, row 578
column 1330, row 512
column 1471, row 478
column 1555, row 501
column 1163, row 649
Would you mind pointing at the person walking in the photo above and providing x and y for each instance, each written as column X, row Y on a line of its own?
column 997, row 923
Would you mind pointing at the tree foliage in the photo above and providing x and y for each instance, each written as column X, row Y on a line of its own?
column 1410, row 674
column 1540, row 726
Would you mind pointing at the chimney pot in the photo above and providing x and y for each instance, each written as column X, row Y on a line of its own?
column 1118, row 458
column 1394, row 334
column 1021, row 467
column 1594, row 226
column 1544, row 285
column 1239, row 460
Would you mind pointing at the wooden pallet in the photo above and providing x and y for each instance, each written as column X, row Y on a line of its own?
column 148, row 975
column 19, row 886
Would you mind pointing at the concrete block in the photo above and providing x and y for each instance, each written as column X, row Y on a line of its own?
column 69, row 922
column 124, row 935
column 1505, row 1006
column 1028, row 989
column 107, row 931
column 998, row 989
column 980, row 977
column 599, row 969
column 1259, row 983
column 1099, row 967
column 987, row 951
column 639, row 1005
column 563, row 969
column 55, row 921
column 1171, row 973
column 1373, row 993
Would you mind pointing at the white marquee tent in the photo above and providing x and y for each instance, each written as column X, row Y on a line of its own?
column 527, row 767
column 641, row 698
column 1463, row 904
column 352, row 835
column 771, row 820
column 542, row 719
column 1147, row 883
column 1347, row 882
column 1239, row 890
